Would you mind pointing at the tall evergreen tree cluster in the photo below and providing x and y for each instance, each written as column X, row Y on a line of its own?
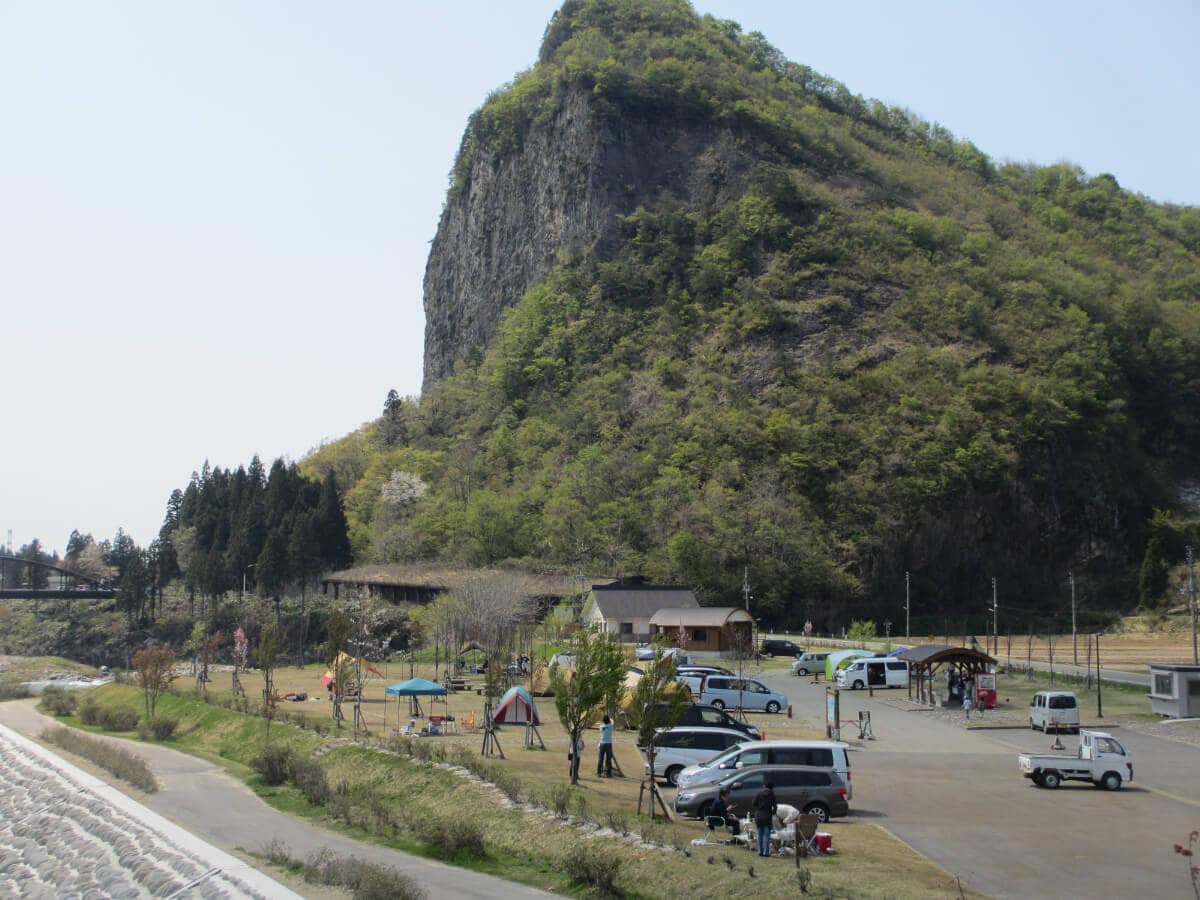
column 246, row 525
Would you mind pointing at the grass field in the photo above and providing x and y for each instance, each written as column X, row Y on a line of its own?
column 390, row 798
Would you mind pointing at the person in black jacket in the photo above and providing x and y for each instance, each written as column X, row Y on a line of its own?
column 722, row 808
column 764, row 811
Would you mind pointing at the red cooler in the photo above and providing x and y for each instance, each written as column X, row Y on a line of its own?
column 824, row 842
column 985, row 690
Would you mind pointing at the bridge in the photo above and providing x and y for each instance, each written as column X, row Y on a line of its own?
column 60, row 582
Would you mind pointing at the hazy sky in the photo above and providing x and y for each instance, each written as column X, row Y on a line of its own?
column 214, row 217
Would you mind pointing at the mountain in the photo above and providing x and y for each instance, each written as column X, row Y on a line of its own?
column 696, row 312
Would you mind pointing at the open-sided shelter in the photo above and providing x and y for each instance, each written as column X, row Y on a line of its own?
column 413, row 688
column 927, row 662
column 839, row 659
column 516, row 708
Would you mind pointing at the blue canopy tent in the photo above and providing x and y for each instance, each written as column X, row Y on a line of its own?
column 413, row 688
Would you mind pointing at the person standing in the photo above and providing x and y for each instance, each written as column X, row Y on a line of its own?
column 606, row 747
column 968, row 696
column 764, row 807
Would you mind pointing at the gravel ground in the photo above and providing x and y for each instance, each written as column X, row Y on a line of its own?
column 60, row 837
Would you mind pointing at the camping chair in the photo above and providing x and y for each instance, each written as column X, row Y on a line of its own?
column 806, row 835
column 469, row 724
column 715, row 824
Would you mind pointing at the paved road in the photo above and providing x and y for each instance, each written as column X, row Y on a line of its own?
column 1115, row 675
column 956, row 796
column 202, row 798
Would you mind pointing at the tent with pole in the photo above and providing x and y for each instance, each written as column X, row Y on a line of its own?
column 516, row 708
column 840, row 659
column 343, row 659
column 413, row 688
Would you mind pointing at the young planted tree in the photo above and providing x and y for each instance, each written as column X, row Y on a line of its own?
column 155, row 670
column 267, row 657
column 658, row 702
column 578, row 696
column 340, row 629
column 241, row 656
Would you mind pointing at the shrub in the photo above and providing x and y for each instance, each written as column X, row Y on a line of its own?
column 594, row 867
column 308, row 775
column 273, row 766
column 118, row 718
column 560, row 800
column 160, row 728
column 14, row 690
column 59, row 702
column 364, row 880
column 452, row 836
column 89, row 711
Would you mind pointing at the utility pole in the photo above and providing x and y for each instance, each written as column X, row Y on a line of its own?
column 907, row 602
column 746, row 587
column 1074, row 633
column 1191, row 564
column 995, row 618
column 1099, row 693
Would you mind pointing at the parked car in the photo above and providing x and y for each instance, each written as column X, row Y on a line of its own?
column 695, row 714
column 779, row 647
column 1054, row 709
column 877, row 672
column 750, row 754
column 564, row 658
column 677, row 748
column 729, row 691
column 647, row 652
column 808, row 662
column 707, row 670
column 1101, row 760
column 813, row 790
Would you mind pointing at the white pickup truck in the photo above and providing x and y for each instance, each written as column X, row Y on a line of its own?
column 1101, row 760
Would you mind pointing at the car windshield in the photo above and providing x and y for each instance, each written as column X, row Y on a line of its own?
column 721, row 757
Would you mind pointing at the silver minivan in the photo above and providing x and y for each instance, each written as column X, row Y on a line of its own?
column 729, row 691
column 677, row 748
column 809, row 661
column 1054, row 709
column 827, row 754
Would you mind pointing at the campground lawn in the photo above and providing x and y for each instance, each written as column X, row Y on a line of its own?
column 418, row 796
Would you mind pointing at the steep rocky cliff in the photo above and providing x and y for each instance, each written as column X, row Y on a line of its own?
column 694, row 309
column 513, row 213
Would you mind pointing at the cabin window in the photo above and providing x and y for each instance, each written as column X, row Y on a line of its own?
column 1164, row 685
column 699, row 634
column 626, row 628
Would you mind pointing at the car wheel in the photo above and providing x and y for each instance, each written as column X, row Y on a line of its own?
column 672, row 775
column 802, row 671
column 1051, row 780
column 858, row 685
column 1036, row 778
column 768, row 654
column 1032, row 727
column 820, row 810
column 704, row 808
column 718, row 704
column 773, row 707
column 1111, row 781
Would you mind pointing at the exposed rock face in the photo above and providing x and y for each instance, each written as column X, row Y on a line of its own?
column 565, row 189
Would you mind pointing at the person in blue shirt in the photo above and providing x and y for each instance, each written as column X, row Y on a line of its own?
column 606, row 750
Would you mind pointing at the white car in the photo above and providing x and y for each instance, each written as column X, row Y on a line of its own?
column 686, row 745
column 566, row 658
column 1054, row 710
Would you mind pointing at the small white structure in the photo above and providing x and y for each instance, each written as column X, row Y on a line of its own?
column 1175, row 690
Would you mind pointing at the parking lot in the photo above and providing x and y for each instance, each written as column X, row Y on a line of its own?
column 956, row 796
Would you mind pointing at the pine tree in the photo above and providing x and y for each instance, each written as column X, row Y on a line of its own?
column 332, row 531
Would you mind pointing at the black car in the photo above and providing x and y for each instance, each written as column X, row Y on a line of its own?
column 776, row 647
column 696, row 714
column 814, row 790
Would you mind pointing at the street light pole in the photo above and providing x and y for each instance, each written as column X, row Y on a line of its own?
column 244, row 571
column 1191, row 563
column 995, row 607
column 907, row 603
column 1074, row 637
column 1099, row 695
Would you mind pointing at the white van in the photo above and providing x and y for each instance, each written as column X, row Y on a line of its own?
column 879, row 672
column 1050, row 709
column 826, row 754
column 677, row 748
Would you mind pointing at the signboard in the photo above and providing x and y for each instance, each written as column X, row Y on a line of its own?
column 832, row 714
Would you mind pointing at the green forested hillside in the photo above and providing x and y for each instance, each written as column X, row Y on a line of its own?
column 887, row 353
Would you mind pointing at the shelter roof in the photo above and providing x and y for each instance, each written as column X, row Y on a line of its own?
column 711, row 616
column 415, row 687
column 932, row 654
column 640, row 601
column 448, row 579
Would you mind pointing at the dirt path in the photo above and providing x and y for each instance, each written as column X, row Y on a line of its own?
column 206, row 801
